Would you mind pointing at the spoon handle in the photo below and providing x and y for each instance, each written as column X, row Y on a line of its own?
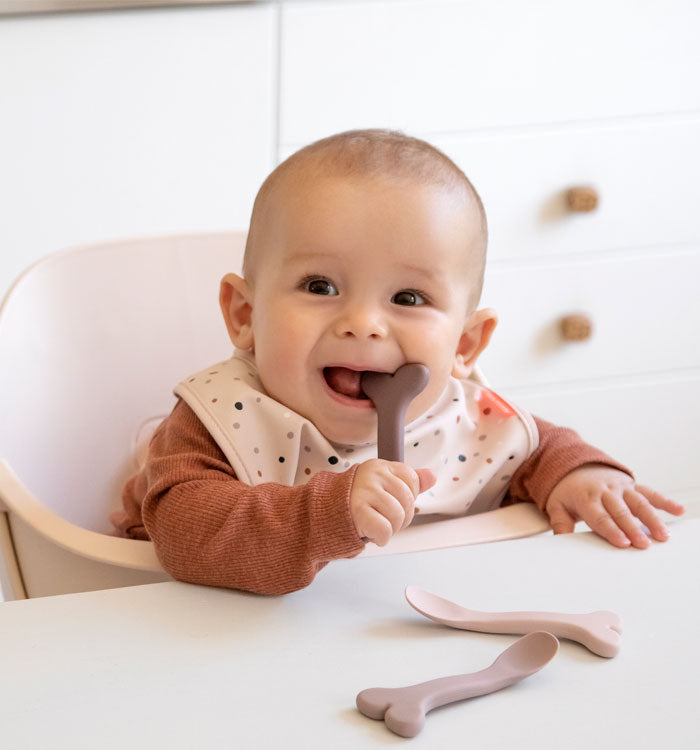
column 515, row 622
column 404, row 709
column 562, row 625
column 445, row 690
column 390, row 430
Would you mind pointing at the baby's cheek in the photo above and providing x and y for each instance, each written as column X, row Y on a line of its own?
column 277, row 369
column 427, row 399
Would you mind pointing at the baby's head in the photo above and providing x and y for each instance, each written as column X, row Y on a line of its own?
column 366, row 250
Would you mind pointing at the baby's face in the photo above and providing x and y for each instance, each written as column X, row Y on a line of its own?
column 354, row 275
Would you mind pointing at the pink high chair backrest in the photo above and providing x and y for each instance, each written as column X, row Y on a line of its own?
column 92, row 340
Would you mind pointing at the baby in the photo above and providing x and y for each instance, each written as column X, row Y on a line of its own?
column 366, row 251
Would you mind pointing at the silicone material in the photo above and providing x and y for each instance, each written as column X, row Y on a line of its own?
column 391, row 395
column 597, row 631
column 404, row 709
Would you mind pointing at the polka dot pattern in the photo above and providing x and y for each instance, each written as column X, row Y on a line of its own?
column 467, row 439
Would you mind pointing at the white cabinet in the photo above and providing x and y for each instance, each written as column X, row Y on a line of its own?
column 641, row 307
column 645, row 172
column 436, row 66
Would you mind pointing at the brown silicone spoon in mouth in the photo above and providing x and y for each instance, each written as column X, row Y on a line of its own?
column 391, row 394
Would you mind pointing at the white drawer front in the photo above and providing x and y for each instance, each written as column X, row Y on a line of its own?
column 646, row 177
column 651, row 427
column 644, row 310
column 438, row 66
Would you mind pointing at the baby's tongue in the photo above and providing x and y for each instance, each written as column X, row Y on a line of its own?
column 345, row 381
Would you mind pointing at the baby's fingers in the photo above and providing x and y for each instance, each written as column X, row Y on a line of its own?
column 612, row 520
column 561, row 521
column 659, row 501
column 426, row 479
column 640, row 506
column 392, row 507
column 627, row 509
column 380, row 520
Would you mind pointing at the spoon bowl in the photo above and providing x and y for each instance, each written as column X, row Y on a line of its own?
column 528, row 654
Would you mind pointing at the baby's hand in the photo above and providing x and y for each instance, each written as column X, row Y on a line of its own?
column 382, row 497
column 610, row 502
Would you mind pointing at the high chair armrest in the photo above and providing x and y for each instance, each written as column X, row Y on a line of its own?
column 11, row 585
column 129, row 553
column 510, row 522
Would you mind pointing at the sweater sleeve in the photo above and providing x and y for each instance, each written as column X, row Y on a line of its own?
column 210, row 528
column 559, row 452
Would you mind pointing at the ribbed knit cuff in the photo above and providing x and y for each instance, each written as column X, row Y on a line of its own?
column 332, row 524
column 568, row 461
column 561, row 451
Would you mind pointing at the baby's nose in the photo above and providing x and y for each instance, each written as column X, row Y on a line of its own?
column 360, row 322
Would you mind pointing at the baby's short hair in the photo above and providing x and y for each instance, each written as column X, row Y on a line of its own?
column 372, row 152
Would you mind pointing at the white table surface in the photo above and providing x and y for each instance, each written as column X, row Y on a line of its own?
column 177, row 666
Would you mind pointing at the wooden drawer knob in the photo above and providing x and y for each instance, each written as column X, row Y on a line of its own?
column 577, row 327
column 582, row 199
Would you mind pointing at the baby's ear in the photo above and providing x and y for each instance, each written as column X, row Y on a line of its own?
column 475, row 337
column 235, row 300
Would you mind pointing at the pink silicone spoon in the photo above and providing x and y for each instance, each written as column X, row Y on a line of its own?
column 404, row 709
column 597, row 631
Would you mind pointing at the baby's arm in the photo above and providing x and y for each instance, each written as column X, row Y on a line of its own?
column 571, row 480
column 212, row 529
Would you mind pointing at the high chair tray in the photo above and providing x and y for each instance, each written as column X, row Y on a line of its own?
column 182, row 666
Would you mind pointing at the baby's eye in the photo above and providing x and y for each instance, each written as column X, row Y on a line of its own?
column 408, row 298
column 320, row 286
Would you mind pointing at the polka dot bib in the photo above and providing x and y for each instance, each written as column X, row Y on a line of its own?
column 471, row 438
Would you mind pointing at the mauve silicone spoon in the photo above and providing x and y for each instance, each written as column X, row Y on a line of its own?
column 597, row 631
column 391, row 394
column 404, row 709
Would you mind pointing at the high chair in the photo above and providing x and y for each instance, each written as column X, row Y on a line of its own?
column 92, row 340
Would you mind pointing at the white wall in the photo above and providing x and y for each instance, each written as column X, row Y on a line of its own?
column 127, row 123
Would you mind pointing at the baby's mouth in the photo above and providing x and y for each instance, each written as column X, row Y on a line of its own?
column 345, row 381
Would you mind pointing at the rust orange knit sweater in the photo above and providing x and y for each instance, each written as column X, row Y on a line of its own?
column 210, row 528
